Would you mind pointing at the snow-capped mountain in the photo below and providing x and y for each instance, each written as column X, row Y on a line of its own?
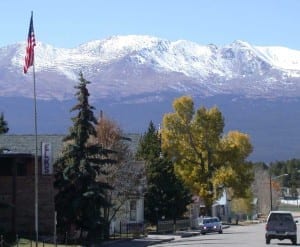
column 123, row 66
column 136, row 78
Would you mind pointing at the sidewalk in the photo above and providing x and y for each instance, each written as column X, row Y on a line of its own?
column 140, row 242
column 151, row 239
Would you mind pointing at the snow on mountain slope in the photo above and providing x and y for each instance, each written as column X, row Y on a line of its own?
column 130, row 65
column 282, row 57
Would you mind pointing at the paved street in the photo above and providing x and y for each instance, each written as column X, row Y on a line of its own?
column 252, row 235
column 246, row 236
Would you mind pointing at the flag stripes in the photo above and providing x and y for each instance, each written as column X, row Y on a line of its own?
column 29, row 57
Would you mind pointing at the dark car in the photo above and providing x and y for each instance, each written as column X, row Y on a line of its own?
column 210, row 224
column 281, row 225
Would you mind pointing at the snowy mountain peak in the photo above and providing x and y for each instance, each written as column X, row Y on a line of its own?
column 136, row 64
column 240, row 44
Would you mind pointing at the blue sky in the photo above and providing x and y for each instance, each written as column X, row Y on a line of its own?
column 69, row 23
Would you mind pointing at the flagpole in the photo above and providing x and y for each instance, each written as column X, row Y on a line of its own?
column 29, row 61
column 36, row 170
column 36, row 162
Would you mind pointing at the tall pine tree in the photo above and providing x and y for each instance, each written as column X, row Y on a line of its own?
column 166, row 195
column 3, row 129
column 81, row 195
column 3, row 125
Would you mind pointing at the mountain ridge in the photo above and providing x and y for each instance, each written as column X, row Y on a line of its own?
column 134, row 64
column 134, row 80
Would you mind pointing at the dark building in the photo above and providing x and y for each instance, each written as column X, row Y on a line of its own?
column 17, row 184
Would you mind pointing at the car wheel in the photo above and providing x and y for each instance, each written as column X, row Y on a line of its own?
column 268, row 240
column 294, row 240
column 220, row 232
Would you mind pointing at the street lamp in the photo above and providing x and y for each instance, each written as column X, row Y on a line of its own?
column 273, row 178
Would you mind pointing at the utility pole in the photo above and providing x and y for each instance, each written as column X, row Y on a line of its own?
column 273, row 178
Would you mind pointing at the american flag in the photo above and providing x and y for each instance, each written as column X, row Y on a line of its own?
column 29, row 57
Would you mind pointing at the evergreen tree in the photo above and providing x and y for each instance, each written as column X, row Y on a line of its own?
column 3, row 129
column 166, row 195
column 3, row 124
column 290, row 167
column 80, row 194
column 149, row 147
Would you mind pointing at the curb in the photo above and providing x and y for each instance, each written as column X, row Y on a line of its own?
column 161, row 241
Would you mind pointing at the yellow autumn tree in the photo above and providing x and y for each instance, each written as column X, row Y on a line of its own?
column 206, row 159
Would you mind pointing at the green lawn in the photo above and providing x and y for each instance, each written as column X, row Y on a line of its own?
column 28, row 243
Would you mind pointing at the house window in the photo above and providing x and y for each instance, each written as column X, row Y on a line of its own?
column 7, row 166
column 5, row 169
column 21, row 169
column 132, row 216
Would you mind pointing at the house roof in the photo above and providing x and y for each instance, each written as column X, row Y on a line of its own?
column 15, row 155
column 26, row 143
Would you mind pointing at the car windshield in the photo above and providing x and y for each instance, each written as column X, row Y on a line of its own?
column 281, row 217
column 210, row 220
